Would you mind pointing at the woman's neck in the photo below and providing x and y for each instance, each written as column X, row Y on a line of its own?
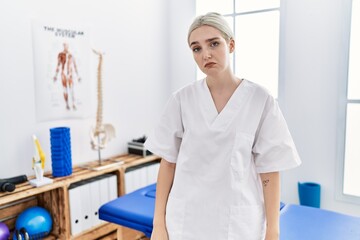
column 222, row 82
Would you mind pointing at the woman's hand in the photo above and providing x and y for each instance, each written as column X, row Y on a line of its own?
column 159, row 233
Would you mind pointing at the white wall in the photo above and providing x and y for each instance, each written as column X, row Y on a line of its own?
column 147, row 58
column 182, row 65
column 312, row 66
column 136, row 77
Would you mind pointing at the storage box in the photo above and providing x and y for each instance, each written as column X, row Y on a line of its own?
column 138, row 148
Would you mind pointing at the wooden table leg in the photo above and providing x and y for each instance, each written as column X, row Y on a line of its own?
column 119, row 233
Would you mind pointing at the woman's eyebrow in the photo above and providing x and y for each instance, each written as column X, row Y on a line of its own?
column 212, row 39
column 207, row 40
column 196, row 42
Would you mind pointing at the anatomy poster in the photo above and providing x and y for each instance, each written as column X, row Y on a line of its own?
column 62, row 75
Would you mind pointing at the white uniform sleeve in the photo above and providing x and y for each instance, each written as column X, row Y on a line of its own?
column 166, row 138
column 274, row 149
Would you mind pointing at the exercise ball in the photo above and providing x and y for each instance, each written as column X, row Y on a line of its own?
column 36, row 220
column 4, row 231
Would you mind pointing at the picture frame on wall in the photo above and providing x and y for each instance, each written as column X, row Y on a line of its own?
column 62, row 78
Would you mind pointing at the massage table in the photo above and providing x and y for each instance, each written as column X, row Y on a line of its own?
column 136, row 210
column 307, row 223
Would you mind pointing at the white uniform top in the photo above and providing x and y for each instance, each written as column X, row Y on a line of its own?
column 217, row 191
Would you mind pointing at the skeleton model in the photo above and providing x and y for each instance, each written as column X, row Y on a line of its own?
column 102, row 133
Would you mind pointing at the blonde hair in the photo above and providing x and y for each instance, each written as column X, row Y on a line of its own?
column 215, row 20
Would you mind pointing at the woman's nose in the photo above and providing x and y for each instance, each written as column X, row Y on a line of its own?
column 206, row 55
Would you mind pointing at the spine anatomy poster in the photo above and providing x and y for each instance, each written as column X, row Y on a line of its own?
column 63, row 86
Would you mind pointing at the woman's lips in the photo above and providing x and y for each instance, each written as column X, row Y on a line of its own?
column 209, row 65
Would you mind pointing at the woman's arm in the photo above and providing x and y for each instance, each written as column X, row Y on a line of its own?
column 163, row 186
column 271, row 190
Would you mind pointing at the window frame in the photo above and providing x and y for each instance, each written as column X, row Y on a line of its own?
column 343, row 102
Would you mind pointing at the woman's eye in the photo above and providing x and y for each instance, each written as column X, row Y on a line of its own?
column 214, row 44
column 196, row 49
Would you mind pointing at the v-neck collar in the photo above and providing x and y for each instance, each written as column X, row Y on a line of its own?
column 230, row 110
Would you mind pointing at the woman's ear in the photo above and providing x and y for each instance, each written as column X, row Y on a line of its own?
column 232, row 45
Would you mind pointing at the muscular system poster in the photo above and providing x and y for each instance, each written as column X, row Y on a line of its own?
column 63, row 86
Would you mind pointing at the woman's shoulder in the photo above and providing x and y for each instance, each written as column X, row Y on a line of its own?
column 189, row 88
column 258, row 90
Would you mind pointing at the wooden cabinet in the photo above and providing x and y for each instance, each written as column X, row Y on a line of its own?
column 55, row 198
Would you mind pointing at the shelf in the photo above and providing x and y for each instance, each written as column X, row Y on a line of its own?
column 55, row 197
column 80, row 172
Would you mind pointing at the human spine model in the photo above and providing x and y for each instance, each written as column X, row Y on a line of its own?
column 102, row 133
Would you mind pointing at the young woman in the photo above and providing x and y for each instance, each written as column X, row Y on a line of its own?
column 223, row 141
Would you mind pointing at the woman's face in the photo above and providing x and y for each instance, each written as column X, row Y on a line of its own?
column 210, row 50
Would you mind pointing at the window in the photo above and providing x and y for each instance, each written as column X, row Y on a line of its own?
column 351, row 176
column 256, row 27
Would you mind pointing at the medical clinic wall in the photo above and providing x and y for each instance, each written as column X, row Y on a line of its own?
column 134, row 37
column 312, row 66
column 147, row 58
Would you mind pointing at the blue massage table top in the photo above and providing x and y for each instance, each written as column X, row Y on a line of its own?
column 308, row 223
column 134, row 210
